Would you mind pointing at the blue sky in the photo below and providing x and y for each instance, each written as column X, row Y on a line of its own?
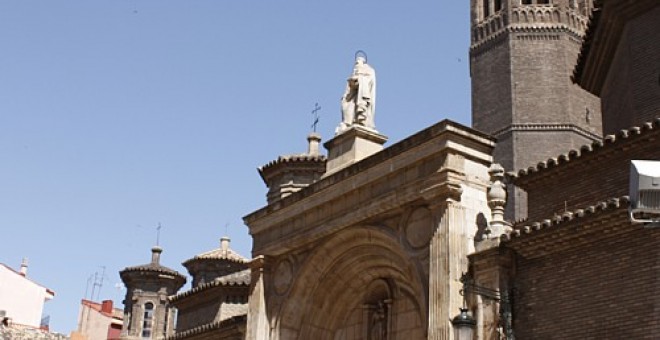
column 118, row 115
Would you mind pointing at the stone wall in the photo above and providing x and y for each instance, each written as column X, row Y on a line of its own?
column 29, row 334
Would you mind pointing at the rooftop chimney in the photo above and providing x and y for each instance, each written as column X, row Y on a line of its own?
column 106, row 306
column 155, row 254
column 314, row 140
column 24, row 266
column 224, row 244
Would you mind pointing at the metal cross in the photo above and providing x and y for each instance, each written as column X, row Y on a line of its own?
column 158, row 234
column 315, row 112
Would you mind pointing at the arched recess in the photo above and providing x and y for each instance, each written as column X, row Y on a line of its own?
column 335, row 285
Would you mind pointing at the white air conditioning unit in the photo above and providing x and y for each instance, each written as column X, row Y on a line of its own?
column 645, row 192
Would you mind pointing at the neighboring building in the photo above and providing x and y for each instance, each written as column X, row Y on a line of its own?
column 21, row 299
column 216, row 305
column 97, row 321
column 147, row 312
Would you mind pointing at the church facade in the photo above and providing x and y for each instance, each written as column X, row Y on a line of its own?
column 430, row 235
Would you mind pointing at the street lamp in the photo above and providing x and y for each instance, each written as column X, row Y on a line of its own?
column 464, row 324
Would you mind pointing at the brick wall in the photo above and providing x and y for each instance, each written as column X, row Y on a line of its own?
column 632, row 85
column 602, row 284
column 521, row 80
column 490, row 71
column 590, row 178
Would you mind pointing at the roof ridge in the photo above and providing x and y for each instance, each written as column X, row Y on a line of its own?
column 217, row 282
column 521, row 230
column 571, row 155
column 154, row 268
column 208, row 327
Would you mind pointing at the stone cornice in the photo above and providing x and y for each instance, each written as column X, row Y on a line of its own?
column 548, row 127
column 383, row 181
column 539, row 20
column 478, row 141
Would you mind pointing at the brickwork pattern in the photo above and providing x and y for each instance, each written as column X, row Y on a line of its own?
column 589, row 178
column 601, row 285
column 632, row 84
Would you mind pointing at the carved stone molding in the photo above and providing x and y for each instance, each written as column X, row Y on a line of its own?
column 283, row 276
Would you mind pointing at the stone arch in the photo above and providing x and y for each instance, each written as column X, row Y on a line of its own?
column 333, row 283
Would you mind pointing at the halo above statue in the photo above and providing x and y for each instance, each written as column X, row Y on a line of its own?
column 361, row 53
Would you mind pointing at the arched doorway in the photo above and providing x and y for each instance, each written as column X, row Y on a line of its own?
column 358, row 284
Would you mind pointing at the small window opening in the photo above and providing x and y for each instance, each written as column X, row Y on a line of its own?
column 147, row 323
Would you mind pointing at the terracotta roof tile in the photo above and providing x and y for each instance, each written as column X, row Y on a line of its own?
column 586, row 149
column 240, row 278
column 152, row 267
column 236, row 320
column 523, row 229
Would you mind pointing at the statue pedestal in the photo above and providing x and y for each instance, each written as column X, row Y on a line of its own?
column 351, row 146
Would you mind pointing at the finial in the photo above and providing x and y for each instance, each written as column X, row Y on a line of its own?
column 224, row 244
column 313, row 139
column 496, row 201
column 155, row 254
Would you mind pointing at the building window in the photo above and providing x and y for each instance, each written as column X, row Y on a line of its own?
column 526, row 2
column 148, row 320
column 486, row 8
column 498, row 5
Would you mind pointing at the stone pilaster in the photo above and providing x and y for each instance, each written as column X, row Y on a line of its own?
column 258, row 326
column 492, row 269
column 448, row 251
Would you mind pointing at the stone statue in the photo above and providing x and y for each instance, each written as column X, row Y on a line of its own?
column 378, row 327
column 359, row 100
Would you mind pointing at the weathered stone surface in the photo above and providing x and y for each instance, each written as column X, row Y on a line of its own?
column 29, row 334
column 375, row 248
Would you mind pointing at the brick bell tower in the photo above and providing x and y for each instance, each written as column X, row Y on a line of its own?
column 522, row 54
